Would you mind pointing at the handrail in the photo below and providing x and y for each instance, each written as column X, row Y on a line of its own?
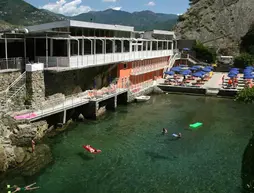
column 15, row 81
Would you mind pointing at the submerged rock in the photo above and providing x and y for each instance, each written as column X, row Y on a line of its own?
column 247, row 172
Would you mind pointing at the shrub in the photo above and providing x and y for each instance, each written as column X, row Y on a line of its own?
column 246, row 95
column 243, row 60
column 204, row 53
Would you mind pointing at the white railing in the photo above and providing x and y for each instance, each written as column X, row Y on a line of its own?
column 15, row 82
column 11, row 63
column 148, row 68
column 99, row 59
column 53, row 61
column 50, row 107
column 136, row 88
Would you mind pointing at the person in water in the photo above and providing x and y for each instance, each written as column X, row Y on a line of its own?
column 26, row 188
column 179, row 135
column 91, row 149
column 164, row 131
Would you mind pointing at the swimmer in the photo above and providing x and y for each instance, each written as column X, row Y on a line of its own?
column 179, row 135
column 26, row 188
column 164, row 131
column 91, row 149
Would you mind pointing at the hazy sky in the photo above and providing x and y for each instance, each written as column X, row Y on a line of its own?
column 75, row 7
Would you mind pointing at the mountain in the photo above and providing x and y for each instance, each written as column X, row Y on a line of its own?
column 18, row 12
column 225, row 22
column 144, row 20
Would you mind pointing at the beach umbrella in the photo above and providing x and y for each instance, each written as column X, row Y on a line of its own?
column 198, row 74
column 186, row 49
column 249, row 67
column 201, row 72
column 186, row 72
column 232, row 75
column 248, row 77
column 176, row 69
column 207, row 70
column 234, row 72
column 169, row 73
column 234, row 69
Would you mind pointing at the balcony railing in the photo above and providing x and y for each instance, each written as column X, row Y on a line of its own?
column 148, row 68
column 99, row 59
column 11, row 63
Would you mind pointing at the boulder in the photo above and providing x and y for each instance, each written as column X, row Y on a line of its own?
column 24, row 133
column 34, row 162
column 81, row 117
column 19, row 154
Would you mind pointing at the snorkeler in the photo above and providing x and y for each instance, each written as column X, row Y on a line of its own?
column 26, row 188
column 164, row 131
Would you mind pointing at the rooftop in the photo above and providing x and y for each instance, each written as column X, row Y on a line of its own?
column 82, row 24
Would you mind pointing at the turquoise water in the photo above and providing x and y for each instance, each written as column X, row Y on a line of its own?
column 136, row 158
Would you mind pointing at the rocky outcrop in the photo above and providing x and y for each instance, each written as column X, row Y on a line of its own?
column 34, row 162
column 248, row 167
column 210, row 19
column 24, row 133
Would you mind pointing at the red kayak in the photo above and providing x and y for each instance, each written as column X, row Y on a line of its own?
column 91, row 149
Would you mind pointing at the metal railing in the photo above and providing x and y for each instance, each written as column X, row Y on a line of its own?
column 11, row 63
column 54, row 106
column 148, row 68
column 83, row 61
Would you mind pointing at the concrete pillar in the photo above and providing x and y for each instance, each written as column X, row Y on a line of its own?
column 35, row 86
column 51, row 47
column 69, row 48
column 90, row 110
column 64, row 116
column 112, row 103
column 122, row 98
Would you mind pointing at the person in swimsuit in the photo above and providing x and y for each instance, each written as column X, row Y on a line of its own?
column 92, row 150
column 26, row 188
column 164, row 131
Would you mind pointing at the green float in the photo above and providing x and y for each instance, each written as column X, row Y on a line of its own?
column 196, row 125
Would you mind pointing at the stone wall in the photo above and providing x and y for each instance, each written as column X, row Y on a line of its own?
column 75, row 81
column 35, row 88
column 6, row 78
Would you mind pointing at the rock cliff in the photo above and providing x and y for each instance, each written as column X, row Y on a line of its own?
column 211, row 19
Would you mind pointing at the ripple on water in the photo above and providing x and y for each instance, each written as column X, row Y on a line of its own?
column 137, row 158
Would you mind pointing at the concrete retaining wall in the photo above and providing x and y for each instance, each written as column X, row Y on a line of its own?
column 166, row 88
column 229, row 93
column 75, row 81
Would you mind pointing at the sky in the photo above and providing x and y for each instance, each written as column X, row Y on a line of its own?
column 75, row 7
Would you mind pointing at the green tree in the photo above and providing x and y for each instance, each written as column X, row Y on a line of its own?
column 247, row 41
column 243, row 60
column 246, row 95
column 204, row 53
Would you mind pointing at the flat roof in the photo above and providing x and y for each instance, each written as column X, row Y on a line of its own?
column 162, row 32
column 81, row 24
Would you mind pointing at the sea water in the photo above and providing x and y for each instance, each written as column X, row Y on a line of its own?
column 137, row 158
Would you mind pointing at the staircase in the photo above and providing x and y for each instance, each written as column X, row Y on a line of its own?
column 192, row 59
column 212, row 91
column 172, row 62
column 14, row 91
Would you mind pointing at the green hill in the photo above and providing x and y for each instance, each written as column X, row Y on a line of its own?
column 18, row 12
column 144, row 20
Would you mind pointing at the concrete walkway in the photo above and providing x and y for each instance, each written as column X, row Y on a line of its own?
column 215, row 82
column 68, row 103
